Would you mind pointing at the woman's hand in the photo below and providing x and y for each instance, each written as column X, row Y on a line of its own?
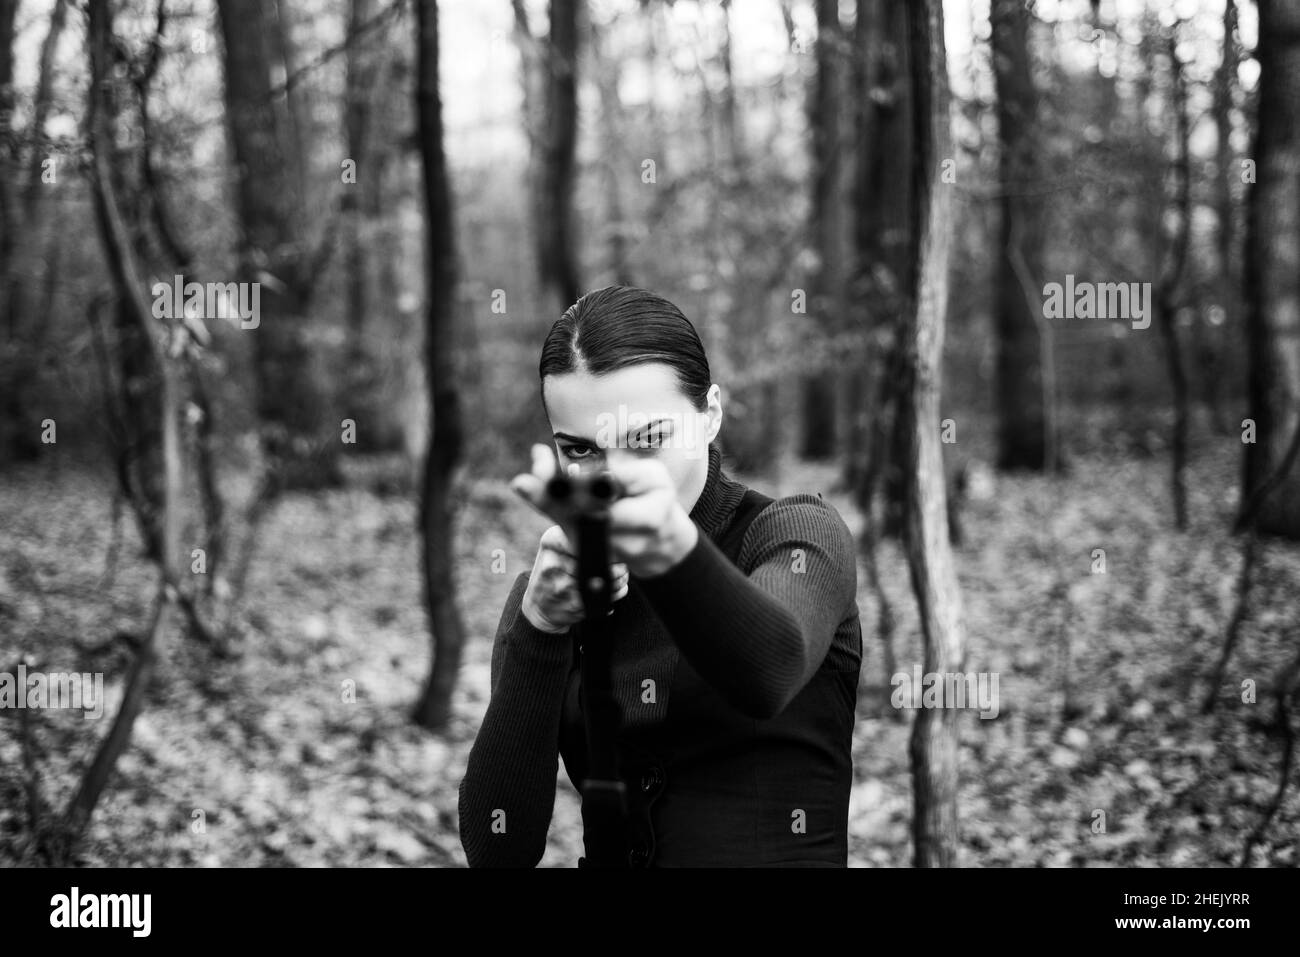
column 551, row 601
column 649, row 530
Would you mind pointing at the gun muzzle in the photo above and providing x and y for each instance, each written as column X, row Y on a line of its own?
column 584, row 492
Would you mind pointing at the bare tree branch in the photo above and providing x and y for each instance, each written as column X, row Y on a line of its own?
column 392, row 12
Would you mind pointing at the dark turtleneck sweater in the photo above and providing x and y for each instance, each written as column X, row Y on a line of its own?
column 735, row 681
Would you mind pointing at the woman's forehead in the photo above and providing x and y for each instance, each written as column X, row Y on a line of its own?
column 644, row 389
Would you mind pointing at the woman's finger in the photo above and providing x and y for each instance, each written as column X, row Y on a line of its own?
column 531, row 489
column 556, row 539
column 531, row 485
column 561, row 572
column 543, row 461
column 557, row 556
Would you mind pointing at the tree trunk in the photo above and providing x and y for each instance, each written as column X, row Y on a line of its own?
column 870, row 401
column 136, row 440
column 1168, row 293
column 612, row 133
column 1272, row 273
column 8, row 153
column 299, row 435
column 883, row 234
column 131, row 282
column 934, row 579
column 375, row 118
column 445, row 436
column 1213, row 342
column 23, row 335
column 825, row 119
column 1022, row 420
column 1225, row 80
column 728, row 126
column 361, row 75
column 41, row 109
column 18, row 430
column 556, row 166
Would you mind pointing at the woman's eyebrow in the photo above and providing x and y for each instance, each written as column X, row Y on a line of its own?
column 659, row 427
column 572, row 438
column 667, row 420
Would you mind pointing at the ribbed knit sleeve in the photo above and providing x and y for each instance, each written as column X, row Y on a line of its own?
column 508, row 792
column 757, row 636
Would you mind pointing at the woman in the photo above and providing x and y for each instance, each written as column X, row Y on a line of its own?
column 735, row 636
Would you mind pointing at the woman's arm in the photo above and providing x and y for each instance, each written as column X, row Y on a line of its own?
column 508, row 792
column 758, row 637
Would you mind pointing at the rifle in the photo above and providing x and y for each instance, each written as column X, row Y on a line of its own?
column 604, row 797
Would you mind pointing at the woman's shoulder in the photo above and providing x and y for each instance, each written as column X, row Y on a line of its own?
column 800, row 518
column 801, row 506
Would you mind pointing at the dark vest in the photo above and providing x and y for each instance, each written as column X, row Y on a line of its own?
column 710, row 786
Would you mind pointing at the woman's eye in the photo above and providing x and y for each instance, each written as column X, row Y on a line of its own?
column 576, row 452
column 649, row 440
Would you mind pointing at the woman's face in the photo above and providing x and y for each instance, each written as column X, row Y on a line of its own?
column 637, row 411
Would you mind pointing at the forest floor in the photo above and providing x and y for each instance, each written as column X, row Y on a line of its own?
column 261, row 760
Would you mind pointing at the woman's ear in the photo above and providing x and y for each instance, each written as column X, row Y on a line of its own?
column 714, row 411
